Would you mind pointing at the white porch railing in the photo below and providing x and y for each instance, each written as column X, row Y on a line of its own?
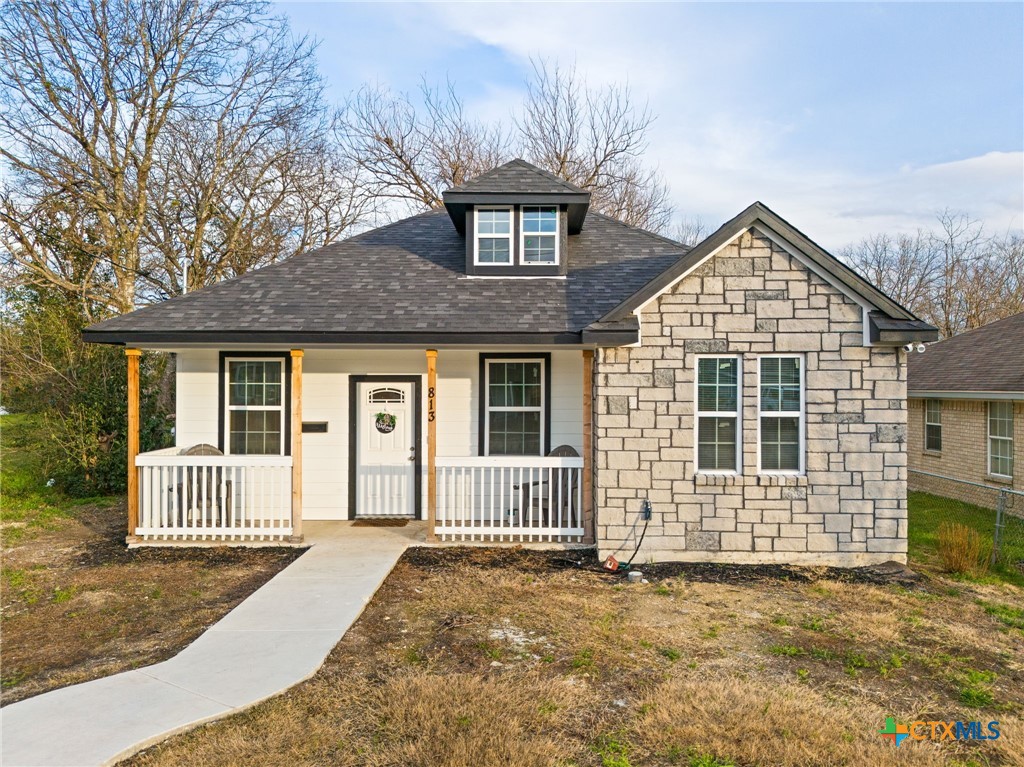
column 214, row 497
column 509, row 499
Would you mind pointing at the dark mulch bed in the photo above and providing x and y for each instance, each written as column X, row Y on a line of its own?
column 439, row 559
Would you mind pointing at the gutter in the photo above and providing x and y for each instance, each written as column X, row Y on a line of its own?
column 1013, row 396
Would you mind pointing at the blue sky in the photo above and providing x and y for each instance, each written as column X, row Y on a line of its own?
column 846, row 118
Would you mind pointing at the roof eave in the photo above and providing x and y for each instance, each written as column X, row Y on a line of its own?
column 1015, row 396
column 577, row 204
column 328, row 338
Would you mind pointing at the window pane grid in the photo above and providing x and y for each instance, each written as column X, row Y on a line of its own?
column 933, row 425
column 255, row 407
column 780, row 392
column 717, row 413
column 493, row 236
column 515, row 407
column 1000, row 438
column 540, row 235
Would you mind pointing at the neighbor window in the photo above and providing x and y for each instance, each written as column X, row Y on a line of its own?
column 255, row 407
column 933, row 425
column 514, row 413
column 1000, row 438
column 540, row 235
column 718, row 408
column 493, row 235
column 780, row 414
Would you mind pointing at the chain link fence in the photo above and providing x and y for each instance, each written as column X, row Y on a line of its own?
column 995, row 513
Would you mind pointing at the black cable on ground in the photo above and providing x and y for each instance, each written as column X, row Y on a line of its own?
column 638, row 545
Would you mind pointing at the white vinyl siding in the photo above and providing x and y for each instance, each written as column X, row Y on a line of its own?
column 933, row 425
column 1000, row 439
column 780, row 414
column 325, row 388
column 718, row 407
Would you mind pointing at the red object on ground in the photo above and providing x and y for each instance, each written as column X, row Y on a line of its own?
column 611, row 564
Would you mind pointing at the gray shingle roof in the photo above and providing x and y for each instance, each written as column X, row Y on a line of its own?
column 405, row 279
column 988, row 359
column 519, row 177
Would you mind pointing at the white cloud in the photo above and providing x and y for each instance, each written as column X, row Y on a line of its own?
column 840, row 206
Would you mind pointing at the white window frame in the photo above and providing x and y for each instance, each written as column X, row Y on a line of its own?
column 510, row 236
column 928, row 423
column 988, row 431
column 556, row 234
column 737, row 414
column 488, row 408
column 229, row 408
column 801, row 422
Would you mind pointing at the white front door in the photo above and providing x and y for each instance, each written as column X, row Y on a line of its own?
column 385, row 450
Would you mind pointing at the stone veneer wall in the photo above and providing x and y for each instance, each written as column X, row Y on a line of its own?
column 964, row 453
column 849, row 508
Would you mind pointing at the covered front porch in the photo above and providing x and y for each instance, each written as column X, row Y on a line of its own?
column 474, row 445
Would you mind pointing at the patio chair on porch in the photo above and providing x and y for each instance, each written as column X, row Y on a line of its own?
column 199, row 497
column 543, row 503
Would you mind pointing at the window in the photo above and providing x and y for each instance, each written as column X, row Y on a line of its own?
column 493, row 235
column 933, row 425
column 514, row 416
column 255, row 406
column 718, row 408
column 1000, row 438
column 780, row 414
column 540, row 235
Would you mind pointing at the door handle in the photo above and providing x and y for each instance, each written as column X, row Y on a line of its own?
column 412, row 453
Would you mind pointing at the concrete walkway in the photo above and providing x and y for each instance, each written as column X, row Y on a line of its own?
column 276, row 638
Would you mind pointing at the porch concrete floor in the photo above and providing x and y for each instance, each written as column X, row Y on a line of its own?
column 276, row 638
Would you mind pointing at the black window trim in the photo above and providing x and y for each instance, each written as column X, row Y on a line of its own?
column 481, row 386
column 222, row 409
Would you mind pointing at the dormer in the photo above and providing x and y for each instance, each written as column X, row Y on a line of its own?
column 516, row 220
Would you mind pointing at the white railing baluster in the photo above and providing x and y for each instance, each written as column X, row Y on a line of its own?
column 213, row 497
column 509, row 498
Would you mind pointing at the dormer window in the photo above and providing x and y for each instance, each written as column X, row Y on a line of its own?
column 494, row 236
column 540, row 235
column 517, row 221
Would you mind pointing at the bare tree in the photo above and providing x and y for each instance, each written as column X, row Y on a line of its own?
column 690, row 230
column 594, row 138
column 126, row 126
column 905, row 267
column 410, row 156
column 410, row 151
column 955, row 276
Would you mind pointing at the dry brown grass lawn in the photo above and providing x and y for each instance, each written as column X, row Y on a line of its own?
column 485, row 657
column 77, row 604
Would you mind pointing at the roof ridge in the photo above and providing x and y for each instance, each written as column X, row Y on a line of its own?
column 517, row 162
column 544, row 173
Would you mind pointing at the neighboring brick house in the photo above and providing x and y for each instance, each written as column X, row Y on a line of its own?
column 966, row 408
column 516, row 368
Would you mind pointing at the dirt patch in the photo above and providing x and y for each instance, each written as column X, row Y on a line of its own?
column 511, row 656
column 78, row 604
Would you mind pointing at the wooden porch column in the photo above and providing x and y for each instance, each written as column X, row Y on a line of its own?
column 431, row 444
column 133, row 356
column 588, row 447
column 297, row 445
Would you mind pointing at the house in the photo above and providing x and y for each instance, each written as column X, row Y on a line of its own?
column 966, row 405
column 515, row 367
